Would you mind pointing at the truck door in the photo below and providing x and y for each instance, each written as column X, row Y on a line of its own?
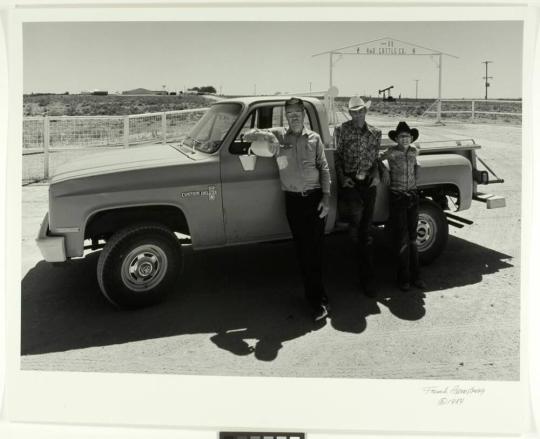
column 253, row 202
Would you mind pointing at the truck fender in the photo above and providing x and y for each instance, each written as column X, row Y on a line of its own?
column 447, row 169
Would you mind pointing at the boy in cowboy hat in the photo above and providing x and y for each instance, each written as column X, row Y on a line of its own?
column 402, row 160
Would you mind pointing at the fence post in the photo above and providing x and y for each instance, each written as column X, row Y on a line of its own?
column 126, row 131
column 46, row 145
column 472, row 111
column 439, row 111
column 164, row 127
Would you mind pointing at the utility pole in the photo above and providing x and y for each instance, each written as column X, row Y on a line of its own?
column 486, row 78
column 416, row 88
column 310, row 88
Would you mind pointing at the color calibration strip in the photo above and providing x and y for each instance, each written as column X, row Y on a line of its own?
column 248, row 435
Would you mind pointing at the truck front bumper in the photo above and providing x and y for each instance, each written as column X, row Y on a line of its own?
column 52, row 248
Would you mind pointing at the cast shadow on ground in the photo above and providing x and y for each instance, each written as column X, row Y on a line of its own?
column 248, row 299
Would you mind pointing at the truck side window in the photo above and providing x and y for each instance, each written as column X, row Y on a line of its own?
column 264, row 118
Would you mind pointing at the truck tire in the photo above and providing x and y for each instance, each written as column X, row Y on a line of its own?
column 432, row 231
column 139, row 266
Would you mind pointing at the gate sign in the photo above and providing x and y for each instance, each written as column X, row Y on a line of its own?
column 388, row 48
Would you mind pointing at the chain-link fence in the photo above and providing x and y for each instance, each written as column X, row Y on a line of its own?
column 50, row 141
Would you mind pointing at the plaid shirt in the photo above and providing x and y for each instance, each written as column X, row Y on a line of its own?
column 357, row 149
column 403, row 165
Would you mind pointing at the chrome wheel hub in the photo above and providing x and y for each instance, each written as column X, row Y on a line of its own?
column 144, row 267
column 426, row 231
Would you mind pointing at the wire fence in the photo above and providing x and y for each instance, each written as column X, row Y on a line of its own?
column 50, row 141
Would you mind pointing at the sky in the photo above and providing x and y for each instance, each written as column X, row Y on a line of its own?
column 270, row 57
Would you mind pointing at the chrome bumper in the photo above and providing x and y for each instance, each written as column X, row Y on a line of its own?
column 52, row 248
column 492, row 201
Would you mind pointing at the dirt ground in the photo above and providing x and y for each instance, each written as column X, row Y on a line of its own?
column 235, row 314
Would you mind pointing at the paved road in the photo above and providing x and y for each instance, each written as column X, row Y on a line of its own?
column 223, row 320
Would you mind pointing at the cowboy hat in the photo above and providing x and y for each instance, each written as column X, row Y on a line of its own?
column 402, row 127
column 356, row 103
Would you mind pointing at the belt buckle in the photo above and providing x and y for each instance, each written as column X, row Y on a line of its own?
column 304, row 193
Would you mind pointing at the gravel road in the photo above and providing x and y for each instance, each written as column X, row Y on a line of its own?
column 239, row 311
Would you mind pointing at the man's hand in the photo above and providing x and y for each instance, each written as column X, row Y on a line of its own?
column 324, row 205
column 386, row 178
column 348, row 182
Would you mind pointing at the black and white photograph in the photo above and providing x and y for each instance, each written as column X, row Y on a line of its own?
column 307, row 201
column 165, row 180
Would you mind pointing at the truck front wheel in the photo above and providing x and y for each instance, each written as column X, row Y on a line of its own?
column 432, row 231
column 139, row 265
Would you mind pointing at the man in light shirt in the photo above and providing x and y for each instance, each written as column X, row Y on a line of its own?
column 305, row 181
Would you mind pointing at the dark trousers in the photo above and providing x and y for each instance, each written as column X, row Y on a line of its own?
column 308, row 231
column 403, row 221
column 360, row 203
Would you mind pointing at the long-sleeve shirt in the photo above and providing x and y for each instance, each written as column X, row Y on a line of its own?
column 306, row 167
column 357, row 149
column 403, row 165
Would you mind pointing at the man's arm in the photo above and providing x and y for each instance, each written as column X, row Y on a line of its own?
column 383, row 170
column 322, row 166
column 324, row 178
column 338, row 159
column 270, row 135
column 374, row 147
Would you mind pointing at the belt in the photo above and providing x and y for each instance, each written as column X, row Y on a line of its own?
column 365, row 182
column 306, row 193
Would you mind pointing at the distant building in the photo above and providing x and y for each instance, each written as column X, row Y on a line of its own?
column 144, row 91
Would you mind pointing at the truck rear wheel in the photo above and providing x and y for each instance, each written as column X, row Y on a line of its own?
column 432, row 231
column 139, row 266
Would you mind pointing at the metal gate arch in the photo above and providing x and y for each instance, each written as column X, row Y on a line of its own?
column 385, row 46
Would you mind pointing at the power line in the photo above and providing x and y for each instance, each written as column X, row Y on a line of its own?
column 486, row 78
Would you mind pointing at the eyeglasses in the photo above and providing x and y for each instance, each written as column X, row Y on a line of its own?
column 403, row 136
column 294, row 113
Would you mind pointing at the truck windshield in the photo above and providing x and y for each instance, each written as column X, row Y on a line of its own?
column 207, row 135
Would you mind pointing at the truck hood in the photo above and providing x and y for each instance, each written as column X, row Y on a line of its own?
column 139, row 157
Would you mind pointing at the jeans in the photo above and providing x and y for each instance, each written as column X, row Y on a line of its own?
column 404, row 221
column 308, row 231
column 360, row 202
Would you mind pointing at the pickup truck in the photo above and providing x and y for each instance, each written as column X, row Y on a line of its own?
column 140, row 204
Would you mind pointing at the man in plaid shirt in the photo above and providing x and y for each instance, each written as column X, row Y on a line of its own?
column 357, row 167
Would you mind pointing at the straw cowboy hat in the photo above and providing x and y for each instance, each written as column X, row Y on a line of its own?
column 356, row 103
column 402, row 127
